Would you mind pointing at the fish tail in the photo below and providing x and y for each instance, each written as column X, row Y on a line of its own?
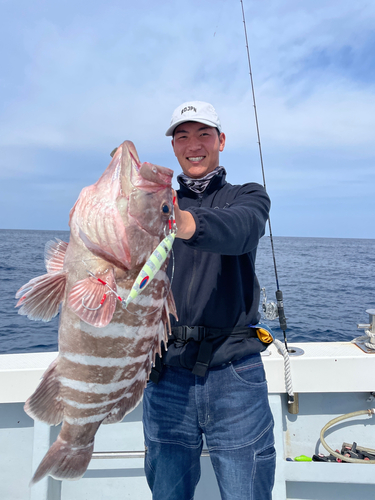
column 64, row 461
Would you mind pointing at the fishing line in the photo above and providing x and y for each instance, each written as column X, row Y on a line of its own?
column 279, row 294
column 146, row 274
column 122, row 300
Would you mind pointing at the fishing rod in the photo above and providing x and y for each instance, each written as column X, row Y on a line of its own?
column 279, row 293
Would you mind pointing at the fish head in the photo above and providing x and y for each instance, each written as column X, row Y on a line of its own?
column 125, row 214
column 146, row 193
column 150, row 203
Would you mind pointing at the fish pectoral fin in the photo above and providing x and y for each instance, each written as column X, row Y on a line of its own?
column 54, row 255
column 93, row 301
column 45, row 403
column 40, row 297
column 64, row 461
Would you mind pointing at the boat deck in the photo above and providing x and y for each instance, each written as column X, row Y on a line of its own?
column 331, row 379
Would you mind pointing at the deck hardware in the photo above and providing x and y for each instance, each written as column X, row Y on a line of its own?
column 295, row 351
column 367, row 342
column 368, row 326
column 269, row 308
column 293, row 407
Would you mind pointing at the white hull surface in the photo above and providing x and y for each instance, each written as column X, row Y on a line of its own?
column 331, row 379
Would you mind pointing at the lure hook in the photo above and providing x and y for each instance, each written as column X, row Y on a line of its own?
column 93, row 308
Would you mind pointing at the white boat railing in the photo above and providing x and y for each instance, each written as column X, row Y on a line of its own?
column 128, row 454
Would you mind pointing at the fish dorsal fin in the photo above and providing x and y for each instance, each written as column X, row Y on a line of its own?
column 40, row 297
column 92, row 301
column 54, row 255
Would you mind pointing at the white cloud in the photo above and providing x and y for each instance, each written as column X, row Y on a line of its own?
column 83, row 90
column 91, row 76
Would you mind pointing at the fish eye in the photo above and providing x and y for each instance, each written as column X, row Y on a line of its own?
column 165, row 209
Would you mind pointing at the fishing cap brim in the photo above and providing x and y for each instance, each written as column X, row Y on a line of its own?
column 194, row 111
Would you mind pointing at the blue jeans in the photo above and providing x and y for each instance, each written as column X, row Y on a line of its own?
column 230, row 406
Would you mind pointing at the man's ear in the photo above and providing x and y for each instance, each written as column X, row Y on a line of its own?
column 222, row 141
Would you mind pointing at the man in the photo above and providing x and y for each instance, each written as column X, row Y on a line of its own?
column 211, row 379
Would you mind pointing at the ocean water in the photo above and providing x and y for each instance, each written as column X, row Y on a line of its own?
column 327, row 284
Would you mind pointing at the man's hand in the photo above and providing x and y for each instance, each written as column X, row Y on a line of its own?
column 184, row 220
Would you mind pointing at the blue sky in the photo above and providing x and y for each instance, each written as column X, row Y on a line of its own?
column 78, row 78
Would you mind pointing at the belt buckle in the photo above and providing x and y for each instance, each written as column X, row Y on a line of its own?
column 193, row 332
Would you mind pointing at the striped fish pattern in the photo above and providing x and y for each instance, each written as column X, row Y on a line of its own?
column 106, row 348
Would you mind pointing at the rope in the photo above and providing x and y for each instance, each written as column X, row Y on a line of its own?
column 371, row 344
column 287, row 373
column 369, row 335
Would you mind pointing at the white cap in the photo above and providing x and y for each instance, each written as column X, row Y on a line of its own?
column 194, row 111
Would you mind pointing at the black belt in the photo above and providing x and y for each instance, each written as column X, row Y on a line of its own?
column 203, row 335
column 199, row 333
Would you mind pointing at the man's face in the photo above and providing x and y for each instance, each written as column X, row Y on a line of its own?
column 197, row 148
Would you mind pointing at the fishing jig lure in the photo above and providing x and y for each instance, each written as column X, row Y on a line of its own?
column 148, row 271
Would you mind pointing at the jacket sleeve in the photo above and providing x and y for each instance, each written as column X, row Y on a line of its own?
column 236, row 229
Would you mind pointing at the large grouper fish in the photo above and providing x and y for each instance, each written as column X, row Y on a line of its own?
column 106, row 351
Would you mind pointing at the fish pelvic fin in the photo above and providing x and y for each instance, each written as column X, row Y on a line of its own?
column 40, row 298
column 93, row 301
column 54, row 255
column 64, row 461
column 45, row 403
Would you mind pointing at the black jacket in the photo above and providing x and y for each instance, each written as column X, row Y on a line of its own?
column 214, row 282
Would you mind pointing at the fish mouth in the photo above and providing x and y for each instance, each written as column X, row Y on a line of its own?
column 146, row 176
column 153, row 173
column 156, row 174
